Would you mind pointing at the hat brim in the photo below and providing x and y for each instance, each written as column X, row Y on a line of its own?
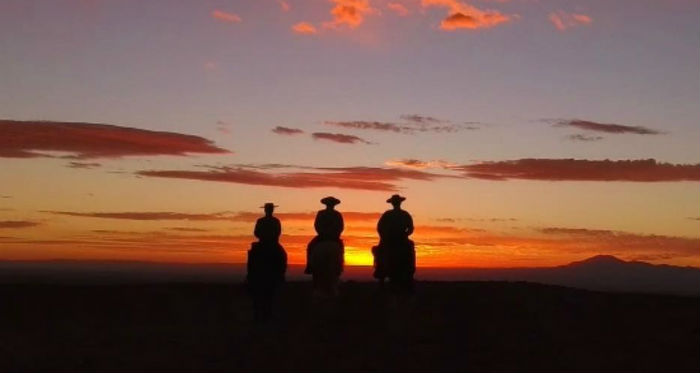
column 392, row 200
column 263, row 206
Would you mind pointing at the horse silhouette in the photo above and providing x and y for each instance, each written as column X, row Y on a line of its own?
column 326, row 260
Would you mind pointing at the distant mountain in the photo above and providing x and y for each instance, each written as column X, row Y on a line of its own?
column 602, row 272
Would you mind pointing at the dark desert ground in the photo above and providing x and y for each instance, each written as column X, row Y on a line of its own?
column 448, row 326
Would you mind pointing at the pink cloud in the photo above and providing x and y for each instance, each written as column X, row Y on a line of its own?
column 398, row 8
column 563, row 20
column 304, row 28
column 284, row 5
column 225, row 16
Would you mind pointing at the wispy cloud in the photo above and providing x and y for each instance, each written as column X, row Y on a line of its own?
column 12, row 224
column 339, row 138
column 304, row 28
column 361, row 178
column 412, row 124
column 584, row 138
column 145, row 215
column 398, row 8
column 84, row 165
column 603, row 127
column 284, row 5
column 223, row 127
column 27, row 139
column 287, row 131
column 350, row 13
column 225, row 16
column 464, row 16
column 563, row 20
column 630, row 242
column 422, row 119
column 644, row 170
column 188, row 229
column 419, row 164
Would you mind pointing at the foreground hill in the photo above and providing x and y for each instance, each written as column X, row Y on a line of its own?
column 447, row 326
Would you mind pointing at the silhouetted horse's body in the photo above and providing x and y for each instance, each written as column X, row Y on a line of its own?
column 267, row 264
column 326, row 262
column 397, row 261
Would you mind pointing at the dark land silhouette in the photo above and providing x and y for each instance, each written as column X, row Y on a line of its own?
column 603, row 272
column 448, row 326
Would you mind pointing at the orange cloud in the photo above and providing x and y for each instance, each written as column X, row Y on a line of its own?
column 284, row 5
column 398, row 8
column 350, row 13
column 562, row 20
column 304, row 28
column 418, row 164
column 26, row 139
column 464, row 16
column 225, row 16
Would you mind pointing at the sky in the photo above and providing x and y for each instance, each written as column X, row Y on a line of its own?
column 521, row 132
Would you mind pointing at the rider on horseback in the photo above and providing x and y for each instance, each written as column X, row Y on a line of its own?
column 328, row 225
column 267, row 263
column 395, row 255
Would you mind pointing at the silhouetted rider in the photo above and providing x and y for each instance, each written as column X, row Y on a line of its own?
column 395, row 255
column 268, row 228
column 267, row 263
column 328, row 225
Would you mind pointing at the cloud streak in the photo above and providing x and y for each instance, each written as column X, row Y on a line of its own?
column 339, row 138
column 225, row 16
column 14, row 224
column 604, row 127
column 413, row 124
column 583, row 138
column 145, row 215
column 646, row 170
column 360, row 178
column 27, row 139
column 287, row 131
column 418, row 164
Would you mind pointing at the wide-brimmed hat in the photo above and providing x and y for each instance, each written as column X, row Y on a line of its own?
column 268, row 204
column 330, row 201
column 396, row 198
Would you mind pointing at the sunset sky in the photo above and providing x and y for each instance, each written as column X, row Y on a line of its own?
column 522, row 132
